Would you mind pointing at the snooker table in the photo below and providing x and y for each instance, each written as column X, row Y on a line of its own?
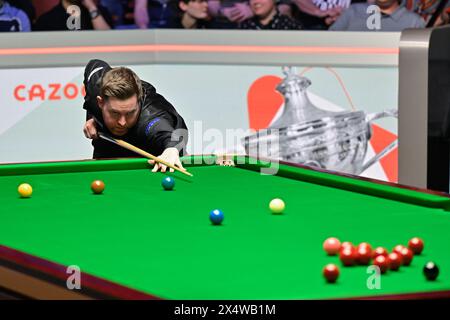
column 137, row 241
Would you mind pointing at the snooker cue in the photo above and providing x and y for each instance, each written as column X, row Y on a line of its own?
column 143, row 153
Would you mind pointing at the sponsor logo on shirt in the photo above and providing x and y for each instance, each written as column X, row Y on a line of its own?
column 150, row 125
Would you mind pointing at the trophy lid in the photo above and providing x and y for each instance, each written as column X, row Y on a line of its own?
column 298, row 108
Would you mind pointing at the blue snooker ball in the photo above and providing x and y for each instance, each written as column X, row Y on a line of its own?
column 168, row 183
column 216, row 216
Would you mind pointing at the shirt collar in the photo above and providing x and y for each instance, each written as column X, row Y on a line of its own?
column 397, row 14
column 277, row 15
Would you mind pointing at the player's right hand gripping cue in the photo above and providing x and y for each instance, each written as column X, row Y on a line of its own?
column 90, row 130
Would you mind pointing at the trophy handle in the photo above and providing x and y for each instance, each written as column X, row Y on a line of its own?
column 383, row 114
column 372, row 117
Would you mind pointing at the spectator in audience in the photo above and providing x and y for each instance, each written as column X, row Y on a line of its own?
column 392, row 17
column 267, row 17
column 122, row 13
column 426, row 9
column 26, row 6
column 153, row 13
column 12, row 18
column 444, row 18
column 285, row 8
column 192, row 14
column 93, row 16
column 229, row 14
column 116, row 8
column 319, row 14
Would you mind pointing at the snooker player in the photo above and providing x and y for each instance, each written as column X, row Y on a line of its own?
column 121, row 105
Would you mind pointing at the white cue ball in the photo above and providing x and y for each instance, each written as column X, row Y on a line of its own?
column 277, row 206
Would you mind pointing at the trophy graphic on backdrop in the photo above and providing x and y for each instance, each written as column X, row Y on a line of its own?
column 306, row 134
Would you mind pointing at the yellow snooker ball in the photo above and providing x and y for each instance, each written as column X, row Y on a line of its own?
column 277, row 206
column 25, row 190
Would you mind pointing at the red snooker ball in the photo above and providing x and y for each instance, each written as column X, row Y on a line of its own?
column 407, row 256
column 381, row 262
column 332, row 246
column 348, row 256
column 347, row 244
column 395, row 261
column 365, row 245
column 398, row 248
column 331, row 272
column 379, row 251
column 416, row 245
column 363, row 255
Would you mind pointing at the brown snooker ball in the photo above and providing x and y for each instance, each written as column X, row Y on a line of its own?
column 97, row 186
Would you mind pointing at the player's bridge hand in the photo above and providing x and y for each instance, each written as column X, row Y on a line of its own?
column 170, row 155
column 90, row 130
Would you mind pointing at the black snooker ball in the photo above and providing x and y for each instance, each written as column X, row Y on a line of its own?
column 431, row 271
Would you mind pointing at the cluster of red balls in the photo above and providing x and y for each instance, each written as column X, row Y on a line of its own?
column 363, row 254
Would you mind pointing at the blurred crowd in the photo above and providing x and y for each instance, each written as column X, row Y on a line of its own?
column 335, row 15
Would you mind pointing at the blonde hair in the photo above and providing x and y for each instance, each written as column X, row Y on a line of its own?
column 120, row 83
